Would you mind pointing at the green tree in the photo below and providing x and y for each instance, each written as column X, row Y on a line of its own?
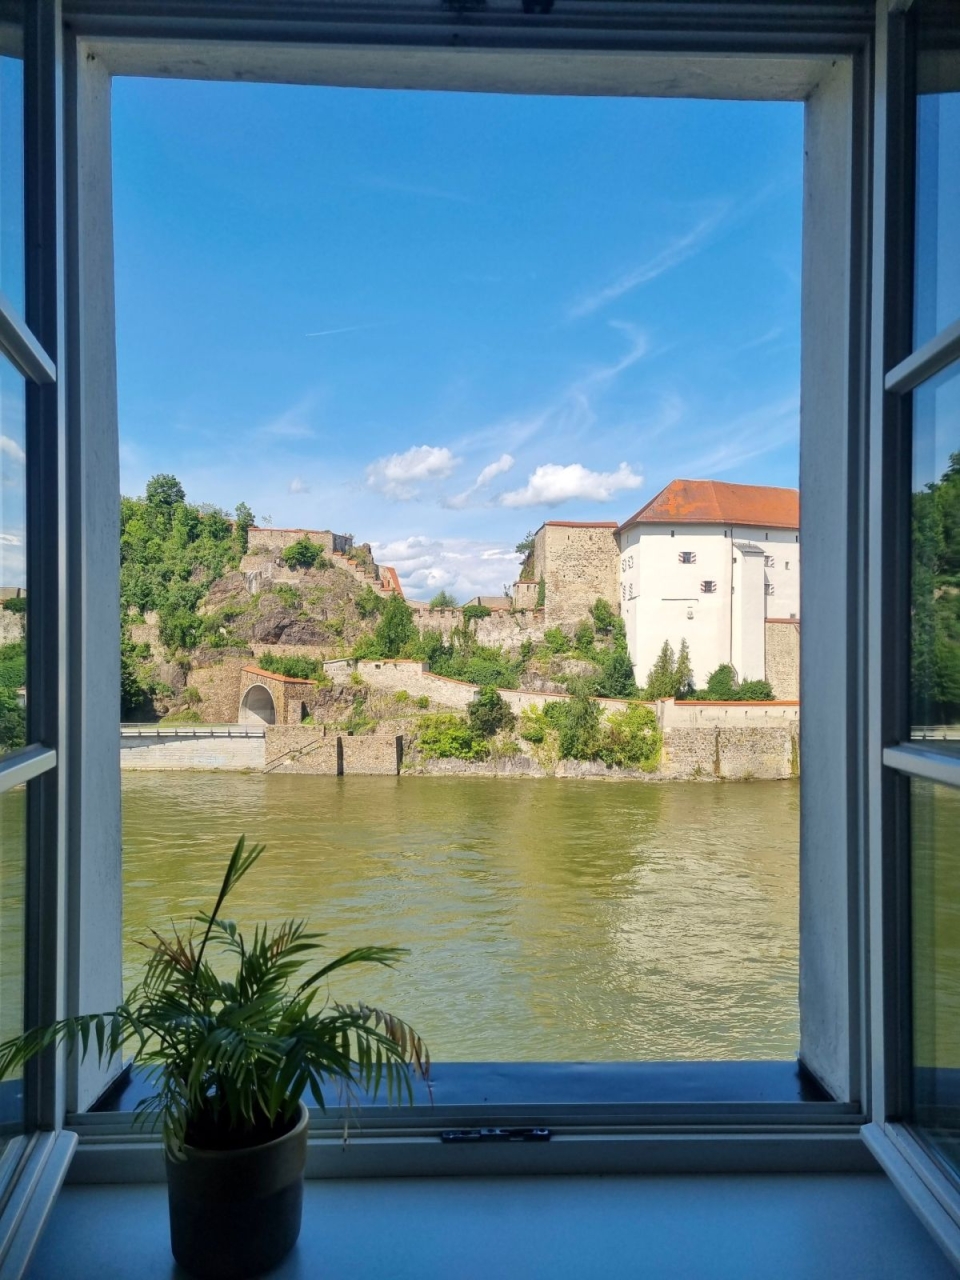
column 556, row 640
column 722, row 684
column 242, row 523
column 616, row 678
column 584, row 637
column 489, row 713
column 632, row 739
column 368, row 602
column 541, row 592
column 164, row 492
column 473, row 612
column 683, row 672
column 603, row 616
column 661, row 678
column 443, row 600
column 304, row 554
column 445, row 736
column 395, row 628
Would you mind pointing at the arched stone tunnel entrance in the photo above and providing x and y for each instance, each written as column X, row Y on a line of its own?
column 257, row 706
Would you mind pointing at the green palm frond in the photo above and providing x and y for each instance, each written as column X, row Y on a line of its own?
column 230, row 1056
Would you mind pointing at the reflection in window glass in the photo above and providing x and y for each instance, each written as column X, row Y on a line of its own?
column 935, row 657
column 13, row 569
column 11, row 166
column 935, row 885
column 938, row 169
column 12, row 862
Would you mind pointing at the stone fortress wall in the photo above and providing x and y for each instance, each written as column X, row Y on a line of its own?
column 782, row 656
column 267, row 539
column 578, row 563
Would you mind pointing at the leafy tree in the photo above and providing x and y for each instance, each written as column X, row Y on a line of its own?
column 164, row 492
column 133, row 693
column 368, row 602
column 617, row 679
column 13, row 721
column 722, row 684
column 443, row 600
column 632, row 739
column 556, row 640
column 445, row 736
column 243, row 520
column 603, row 616
column 525, row 546
column 754, row 691
column 16, row 604
column 584, row 637
column 533, row 725
column 577, row 721
column 473, row 612
column 395, row 628
column 489, row 713
column 304, row 554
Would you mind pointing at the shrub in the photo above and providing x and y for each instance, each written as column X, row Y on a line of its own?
column 489, row 713
column 603, row 616
column 191, row 695
column 421, row 701
column 526, row 650
column 583, row 637
column 368, row 602
column 556, row 640
column 295, row 667
column 401, row 696
column 304, row 554
column 395, row 628
column 366, row 647
column 288, row 595
column 471, row 612
column 616, row 677
column 722, row 684
column 16, row 604
column 446, row 736
column 755, row 691
column 631, row 739
column 186, row 715
column 670, row 676
column 443, row 600
column 577, row 722
column 533, row 725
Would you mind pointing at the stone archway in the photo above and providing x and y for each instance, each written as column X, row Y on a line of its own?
column 257, row 706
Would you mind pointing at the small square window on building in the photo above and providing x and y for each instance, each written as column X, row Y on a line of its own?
column 786, row 564
column 687, row 557
column 768, row 562
column 708, row 586
column 768, row 588
column 673, row 533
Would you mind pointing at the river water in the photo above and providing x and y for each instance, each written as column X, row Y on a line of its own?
column 547, row 919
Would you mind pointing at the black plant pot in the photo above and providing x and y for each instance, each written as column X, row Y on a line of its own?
column 236, row 1214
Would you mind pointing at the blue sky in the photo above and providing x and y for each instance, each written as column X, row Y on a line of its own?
column 436, row 320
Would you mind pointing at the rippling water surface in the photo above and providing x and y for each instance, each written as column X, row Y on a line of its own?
column 546, row 919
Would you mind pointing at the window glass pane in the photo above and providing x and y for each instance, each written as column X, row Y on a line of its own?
column 935, row 875
column 13, row 567
column 12, row 863
column 938, row 169
column 11, row 159
column 935, row 664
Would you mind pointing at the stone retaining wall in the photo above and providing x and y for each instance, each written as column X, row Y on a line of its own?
column 782, row 656
column 209, row 752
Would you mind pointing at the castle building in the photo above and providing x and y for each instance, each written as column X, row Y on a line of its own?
column 577, row 561
column 711, row 563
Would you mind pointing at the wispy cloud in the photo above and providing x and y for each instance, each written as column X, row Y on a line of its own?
column 552, row 484
column 10, row 449
column 298, row 486
column 401, row 474
column 678, row 250
column 463, row 566
column 350, row 328
column 292, row 423
column 750, row 435
column 489, row 472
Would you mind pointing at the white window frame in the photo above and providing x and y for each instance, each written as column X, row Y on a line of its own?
column 835, row 59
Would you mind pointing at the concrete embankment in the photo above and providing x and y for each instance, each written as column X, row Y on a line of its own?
column 232, row 747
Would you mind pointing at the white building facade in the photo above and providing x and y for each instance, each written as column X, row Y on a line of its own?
column 709, row 563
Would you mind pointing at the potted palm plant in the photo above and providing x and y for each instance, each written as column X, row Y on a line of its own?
column 230, row 1059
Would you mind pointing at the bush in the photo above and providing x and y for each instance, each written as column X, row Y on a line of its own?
column 556, row 640
column 288, row 596
column 368, row 602
column 186, row 715
column 755, row 691
column 583, row 637
column 401, row 696
column 616, row 677
column 295, row 667
column 16, row 604
column 421, row 701
column 631, row 739
column 395, row 628
column 603, row 616
column 533, row 725
column 489, row 713
column 722, row 686
column 304, row 554
column 13, row 721
column 471, row 612
column 577, row 722
column 445, row 736
column 365, row 648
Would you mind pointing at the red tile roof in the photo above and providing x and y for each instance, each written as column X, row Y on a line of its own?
column 390, row 579
column 716, row 502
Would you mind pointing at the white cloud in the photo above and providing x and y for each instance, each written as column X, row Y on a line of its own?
column 552, row 484
column 299, row 486
column 489, row 472
column 400, row 475
column 12, row 449
column 463, row 566
column 292, row 423
column 10, row 540
column 678, row 250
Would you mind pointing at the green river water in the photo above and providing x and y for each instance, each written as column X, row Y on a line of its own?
column 547, row 920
